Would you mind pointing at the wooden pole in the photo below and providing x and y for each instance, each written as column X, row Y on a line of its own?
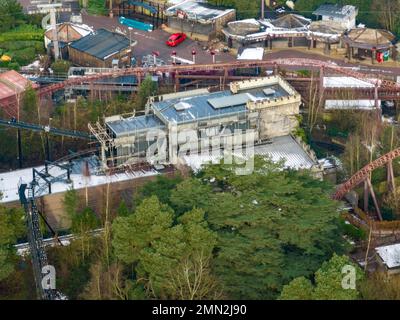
column 371, row 190
column 366, row 196
column 390, row 176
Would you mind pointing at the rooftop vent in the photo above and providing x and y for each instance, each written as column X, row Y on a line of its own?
column 229, row 101
column 180, row 106
column 269, row 92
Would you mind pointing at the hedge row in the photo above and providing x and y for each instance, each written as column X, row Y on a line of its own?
column 18, row 45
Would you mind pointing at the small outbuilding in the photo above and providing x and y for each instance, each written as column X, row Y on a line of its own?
column 12, row 87
column 194, row 17
column 287, row 31
column 388, row 257
column 344, row 15
column 102, row 49
column 66, row 33
column 376, row 44
column 325, row 35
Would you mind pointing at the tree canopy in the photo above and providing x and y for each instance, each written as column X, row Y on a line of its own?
column 328, row 283
column 272, row 225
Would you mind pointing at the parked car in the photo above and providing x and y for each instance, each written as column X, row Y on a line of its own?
column 175, row 39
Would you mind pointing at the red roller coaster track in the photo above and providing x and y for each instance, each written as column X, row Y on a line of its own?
column 140, row 71
column 363, row 174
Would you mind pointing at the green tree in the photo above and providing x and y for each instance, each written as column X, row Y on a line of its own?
column 176, row 266
column 134, row 233
column 170, row 258
column 123, row 210
column 71, row 203
column 298, row 289
column 161, row 187
column 147, row 88
column 329, row 278
column 11, row 15
column 273, row 225
column 11, row 228
column 328, row 283
column 190, row 193
column 30, row 104
column 6, row 264
column 244, row 9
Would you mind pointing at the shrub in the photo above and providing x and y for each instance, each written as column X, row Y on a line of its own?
column 60, row 66
column 24, row 56
column 352, row 231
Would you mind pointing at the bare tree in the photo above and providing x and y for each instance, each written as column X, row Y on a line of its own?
column 192, row 280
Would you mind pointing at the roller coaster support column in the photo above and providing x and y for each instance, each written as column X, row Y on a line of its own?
column 321, row 83
column 390, row 176
column 371, row 191
column 366, row 196
column 226, row 74
column 176, row 81
column 376, row 96
column 48, row 156
column 19, row 138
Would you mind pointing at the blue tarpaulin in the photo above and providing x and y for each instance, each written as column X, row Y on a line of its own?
column 136, row 24
column 144, row 5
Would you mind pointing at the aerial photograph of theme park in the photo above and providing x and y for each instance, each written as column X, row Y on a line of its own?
column 199, row 150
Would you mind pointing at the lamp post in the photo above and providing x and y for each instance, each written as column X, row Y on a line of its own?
column 155, row 55
column 212, row 52
column 173, row 57
column 262, row 9
column 194, row 55
column 130, row 36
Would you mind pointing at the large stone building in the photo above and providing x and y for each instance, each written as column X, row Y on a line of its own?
column 269, row 106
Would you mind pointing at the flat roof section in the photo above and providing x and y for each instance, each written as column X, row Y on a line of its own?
column 9, row 180
column 284, row 148
column 128, row 126
column 390, row 255
column 102, row 44
column 197, row 10
column 213, row 105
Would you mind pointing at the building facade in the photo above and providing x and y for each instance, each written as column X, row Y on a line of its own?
column 342, row 15
column 268, row 106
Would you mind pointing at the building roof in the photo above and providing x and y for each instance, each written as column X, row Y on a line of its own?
column 9, row 180
column 207, row 105
column 102, row 44
column 250, row 53
column 336, row 11
column 369, row 38
column 69, row 31
column 390, row 255
column 291, row 21
column 197, row 10
column 284, row 148
column 127, row 126
column 327, row 28
column 243, row 27
column 12, row 82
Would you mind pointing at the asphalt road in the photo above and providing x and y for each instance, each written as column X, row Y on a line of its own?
column 155, row 41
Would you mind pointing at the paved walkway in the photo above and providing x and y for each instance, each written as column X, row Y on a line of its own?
column 155, row 41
